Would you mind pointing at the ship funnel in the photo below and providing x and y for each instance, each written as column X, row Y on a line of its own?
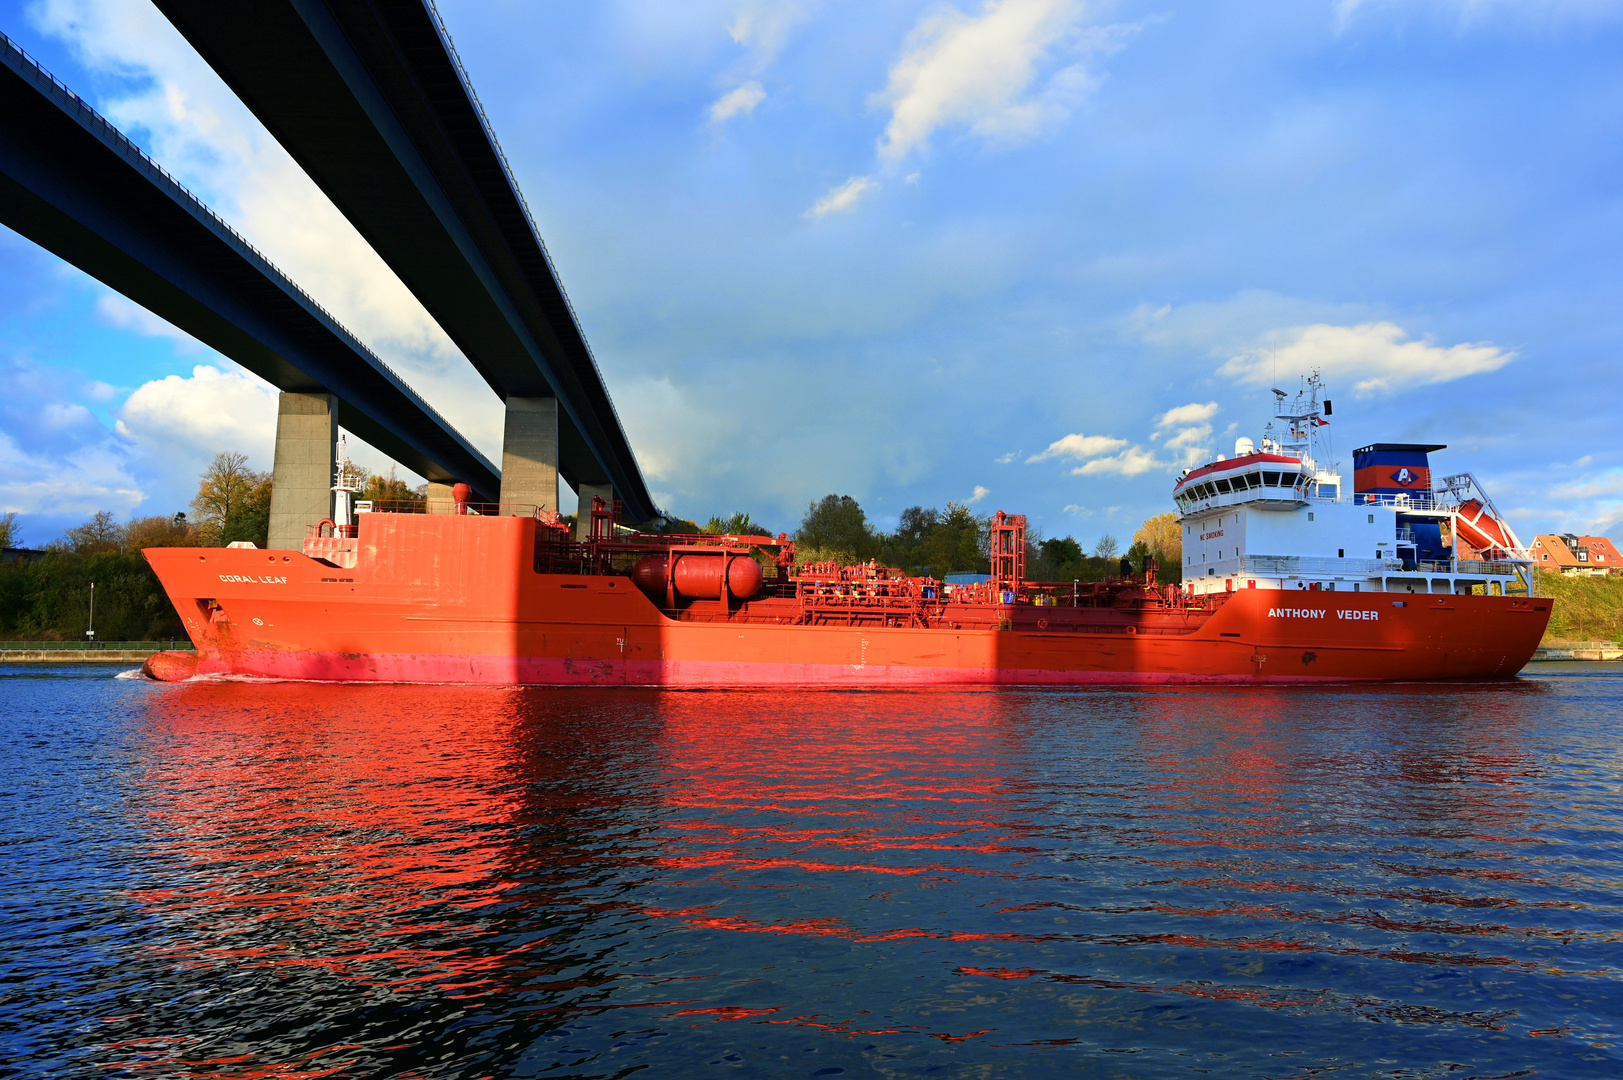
column 1393, row 468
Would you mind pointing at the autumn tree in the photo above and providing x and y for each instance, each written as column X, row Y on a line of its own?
column 224, row 487
column 158, row 531
column 1162, row 536
column 1106, row 547
column 390, row 489
column 233, row 501
column 98, row 536
column 8, row 530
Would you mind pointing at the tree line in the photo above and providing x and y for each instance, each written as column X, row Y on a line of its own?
column 957, row 540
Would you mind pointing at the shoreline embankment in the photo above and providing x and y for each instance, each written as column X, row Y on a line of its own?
column 76, row 652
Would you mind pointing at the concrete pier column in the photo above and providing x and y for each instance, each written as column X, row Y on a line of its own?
column 439, row 498
column 530, row 452
column 583, row 516
column 306, row 449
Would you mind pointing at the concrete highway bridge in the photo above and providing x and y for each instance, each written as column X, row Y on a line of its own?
column 373, row 103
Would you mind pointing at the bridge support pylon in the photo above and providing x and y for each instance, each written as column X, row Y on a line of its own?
column 439, row 498
column 530, row 452
column 306, row 452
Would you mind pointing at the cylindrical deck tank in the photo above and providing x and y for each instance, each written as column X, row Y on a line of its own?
column 698, row 577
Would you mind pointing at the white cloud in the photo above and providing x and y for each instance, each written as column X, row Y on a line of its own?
column 1079, row 447
column 980, row 493
column 1194, row 438
column 1130, row 462
column 81, row 481
column 199, row 416
column 1187, row 430
column 984, row 72
column 1193, row 413
column 843, row 198
column 741, row 101
column 676, row 431
column 1376, row 355
column 1589, row 504
column 1005, row 459
column 764, row 27
column 64, row 415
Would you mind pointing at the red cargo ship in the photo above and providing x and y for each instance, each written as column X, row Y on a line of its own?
column 1286, row 579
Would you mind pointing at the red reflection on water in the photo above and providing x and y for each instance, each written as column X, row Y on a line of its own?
column 834, row 774
column 355, row 832
column 364, row 833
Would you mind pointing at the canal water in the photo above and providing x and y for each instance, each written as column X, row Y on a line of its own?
column 236, row 879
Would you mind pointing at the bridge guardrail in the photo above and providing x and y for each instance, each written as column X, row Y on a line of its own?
column 524, row 205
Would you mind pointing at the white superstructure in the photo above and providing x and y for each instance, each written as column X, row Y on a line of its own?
column 1275, row 518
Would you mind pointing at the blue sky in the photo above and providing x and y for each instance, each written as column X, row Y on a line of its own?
column 1040, row 254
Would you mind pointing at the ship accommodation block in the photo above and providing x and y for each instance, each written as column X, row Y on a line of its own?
column 1271, row 521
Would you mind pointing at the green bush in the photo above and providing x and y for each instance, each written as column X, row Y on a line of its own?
column 48, row 599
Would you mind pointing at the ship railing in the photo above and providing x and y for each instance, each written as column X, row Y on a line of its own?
column 1462, row 567
column 1419, row 500
column 1297, row 565
column 447, row 506
column 1411, row 500
column 1489, row 567
column 875, row 594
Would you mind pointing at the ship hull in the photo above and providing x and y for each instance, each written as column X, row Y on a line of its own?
column 463, row 605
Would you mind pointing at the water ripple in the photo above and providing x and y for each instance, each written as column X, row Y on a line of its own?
column 279, row 880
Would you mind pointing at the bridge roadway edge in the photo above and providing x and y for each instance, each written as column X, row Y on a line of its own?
column 75, row 185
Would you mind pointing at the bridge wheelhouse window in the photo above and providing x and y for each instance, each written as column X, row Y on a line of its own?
column 1271, row 479
column 1223, row 487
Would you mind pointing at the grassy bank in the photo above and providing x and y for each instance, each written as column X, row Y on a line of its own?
column 1586, row 608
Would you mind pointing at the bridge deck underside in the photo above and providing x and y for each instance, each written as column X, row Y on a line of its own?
column 368, row 99
column 75, row 186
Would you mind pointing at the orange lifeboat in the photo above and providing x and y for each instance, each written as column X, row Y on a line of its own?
column 1479, row 528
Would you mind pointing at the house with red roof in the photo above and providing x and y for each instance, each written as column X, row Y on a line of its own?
column 1569, row 554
